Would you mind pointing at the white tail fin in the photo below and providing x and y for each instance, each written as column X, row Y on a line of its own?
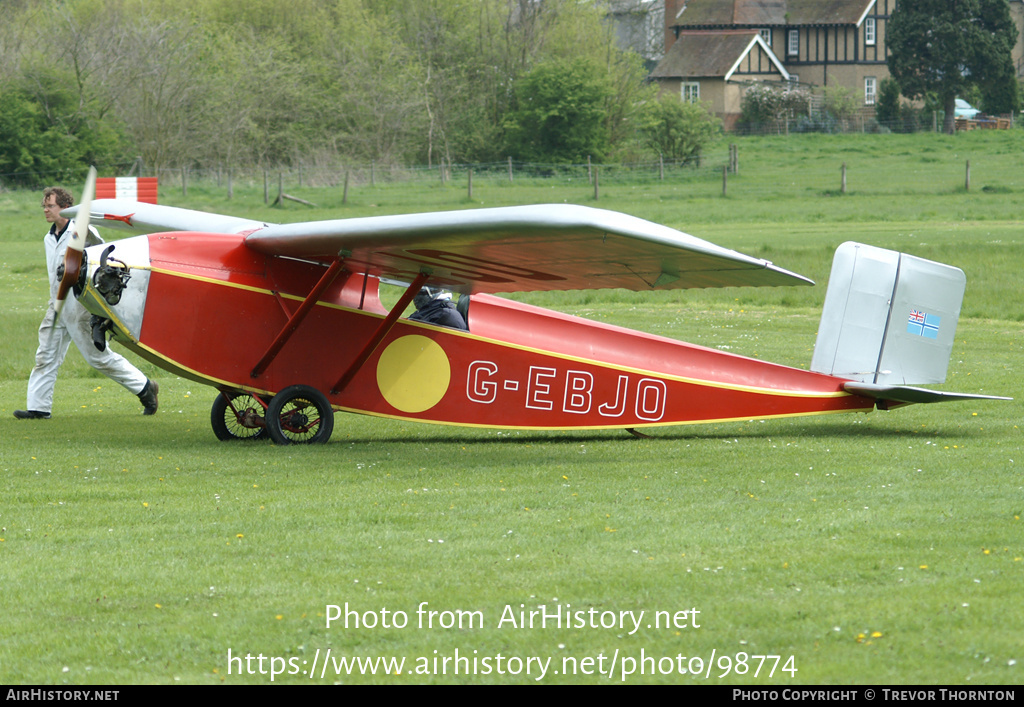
column 889, row 318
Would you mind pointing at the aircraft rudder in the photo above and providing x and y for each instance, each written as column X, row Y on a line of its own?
column 889, row 317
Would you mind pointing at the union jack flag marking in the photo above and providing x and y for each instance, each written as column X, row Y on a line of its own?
column 923, row 324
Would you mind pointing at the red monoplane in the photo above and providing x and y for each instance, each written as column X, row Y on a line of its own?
column 286, row 322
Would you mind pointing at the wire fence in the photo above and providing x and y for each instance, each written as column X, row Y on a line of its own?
column 713, row 164
column 371, row 174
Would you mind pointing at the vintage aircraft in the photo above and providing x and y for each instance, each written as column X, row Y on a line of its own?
column 286, row 320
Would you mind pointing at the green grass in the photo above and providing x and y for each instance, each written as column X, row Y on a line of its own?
column 142, row 550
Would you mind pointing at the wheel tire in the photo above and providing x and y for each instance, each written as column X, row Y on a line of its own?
column 300, row 414
column 226, row 425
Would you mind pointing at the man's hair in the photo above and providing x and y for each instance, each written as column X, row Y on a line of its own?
column 61, row 195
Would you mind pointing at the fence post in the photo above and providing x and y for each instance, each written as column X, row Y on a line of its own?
column 967, row 178
column 344, row 193
column 725, row 179
column 266, row 187
column 231, row 185
column 470, row 183
column 590, row 172
column 510, row 169
column 373, row 173
column 661, row 166
column 597, row 182
column 184, row 181
column 842, row 187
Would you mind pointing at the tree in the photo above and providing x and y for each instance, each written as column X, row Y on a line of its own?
column 559, row 114
column 676, row 129
column 31, row 151
column 200, row 83
column 887, row 108
column 948, row 46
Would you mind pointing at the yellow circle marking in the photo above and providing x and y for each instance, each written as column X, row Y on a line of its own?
column 413, row 373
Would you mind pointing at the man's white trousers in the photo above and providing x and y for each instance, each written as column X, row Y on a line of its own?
column 53, row 346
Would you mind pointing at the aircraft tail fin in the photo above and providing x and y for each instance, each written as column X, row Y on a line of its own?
column 889, row 318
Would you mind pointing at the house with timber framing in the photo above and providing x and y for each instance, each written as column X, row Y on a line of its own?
column 715, row 48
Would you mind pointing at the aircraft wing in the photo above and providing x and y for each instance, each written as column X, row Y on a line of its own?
column 140, row 217
column 523, row 248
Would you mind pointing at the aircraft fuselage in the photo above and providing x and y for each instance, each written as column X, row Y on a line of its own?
column 208, row 308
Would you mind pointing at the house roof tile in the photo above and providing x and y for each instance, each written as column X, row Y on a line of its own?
column 771, row 12
column 704, row 53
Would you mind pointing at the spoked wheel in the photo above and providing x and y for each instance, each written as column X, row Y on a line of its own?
column 238, row 416
column 300, row 414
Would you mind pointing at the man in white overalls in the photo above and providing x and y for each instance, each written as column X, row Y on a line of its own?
column 55, row 336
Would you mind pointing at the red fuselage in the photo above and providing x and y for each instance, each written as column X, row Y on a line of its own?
column 213, row 307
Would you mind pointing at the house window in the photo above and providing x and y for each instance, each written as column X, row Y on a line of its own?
column 869, row 31
column 690, row 92
column 870, row 90
column 793, row 42
column 766, row 35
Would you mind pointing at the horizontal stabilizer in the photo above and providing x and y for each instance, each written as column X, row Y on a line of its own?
column 906, row 394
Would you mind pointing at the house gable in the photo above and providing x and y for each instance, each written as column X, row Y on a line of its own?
column 754, row 59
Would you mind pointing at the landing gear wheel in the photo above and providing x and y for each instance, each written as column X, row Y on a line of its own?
column 300, row 414
column 238, row 416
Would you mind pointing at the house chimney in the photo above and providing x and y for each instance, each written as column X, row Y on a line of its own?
column 673, row 8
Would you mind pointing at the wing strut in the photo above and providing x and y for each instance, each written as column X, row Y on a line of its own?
column 382, row 331
column 293, row 323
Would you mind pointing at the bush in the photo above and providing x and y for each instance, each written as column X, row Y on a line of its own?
column 559, row 114
column 767, row 105
column 676, row 129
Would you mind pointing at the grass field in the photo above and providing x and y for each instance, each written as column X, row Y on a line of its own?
column 864, row 549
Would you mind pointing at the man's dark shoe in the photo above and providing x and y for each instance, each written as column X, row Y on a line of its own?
column 31, row 415
column 149, row 399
